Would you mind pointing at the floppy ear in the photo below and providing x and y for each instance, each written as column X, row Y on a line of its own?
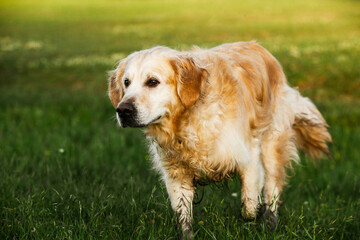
column 190, row 80
column 116, row 92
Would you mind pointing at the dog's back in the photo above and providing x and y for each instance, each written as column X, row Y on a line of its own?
column 263, row 81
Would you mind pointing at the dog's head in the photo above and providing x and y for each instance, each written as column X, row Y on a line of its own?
column 146, row 85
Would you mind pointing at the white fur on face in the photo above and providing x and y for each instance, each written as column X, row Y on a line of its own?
column 151, row 103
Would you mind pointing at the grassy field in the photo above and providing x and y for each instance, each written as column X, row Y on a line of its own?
column 68, row 172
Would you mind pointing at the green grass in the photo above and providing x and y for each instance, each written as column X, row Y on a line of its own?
column 68, row 172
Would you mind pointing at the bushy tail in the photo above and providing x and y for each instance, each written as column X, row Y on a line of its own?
column 311, row 129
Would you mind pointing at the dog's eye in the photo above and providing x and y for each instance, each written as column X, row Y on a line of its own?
column 152, row 82
column 126, row 82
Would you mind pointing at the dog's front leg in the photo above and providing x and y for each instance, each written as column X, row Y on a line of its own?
column 181, row 192
column 252, row 177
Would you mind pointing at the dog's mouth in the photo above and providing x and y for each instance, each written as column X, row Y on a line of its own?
column 132, row 122
column 151, row 122
column 155, row 120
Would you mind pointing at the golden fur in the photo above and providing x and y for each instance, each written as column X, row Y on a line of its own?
column 221, row 111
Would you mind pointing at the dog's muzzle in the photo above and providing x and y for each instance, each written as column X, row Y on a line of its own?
column 127, row 114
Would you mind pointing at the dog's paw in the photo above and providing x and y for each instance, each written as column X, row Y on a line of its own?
column 267, row 217
column 187, row 234
column 248, row 213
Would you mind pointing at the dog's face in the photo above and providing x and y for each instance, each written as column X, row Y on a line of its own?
column 147, row 84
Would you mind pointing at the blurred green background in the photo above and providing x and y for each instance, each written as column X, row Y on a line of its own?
column 68, row 172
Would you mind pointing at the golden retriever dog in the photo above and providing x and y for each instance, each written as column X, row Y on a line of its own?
column 212, row 113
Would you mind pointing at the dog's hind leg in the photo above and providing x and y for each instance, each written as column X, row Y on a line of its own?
column 277, row 150
column 181, row 193
column 252, row 182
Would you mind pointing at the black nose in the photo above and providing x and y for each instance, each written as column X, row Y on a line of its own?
column 125, row 109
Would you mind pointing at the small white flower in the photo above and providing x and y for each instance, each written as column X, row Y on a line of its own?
column 61, row 150
column 234, row 195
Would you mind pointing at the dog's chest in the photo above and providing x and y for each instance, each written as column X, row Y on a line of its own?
column 215, row 151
